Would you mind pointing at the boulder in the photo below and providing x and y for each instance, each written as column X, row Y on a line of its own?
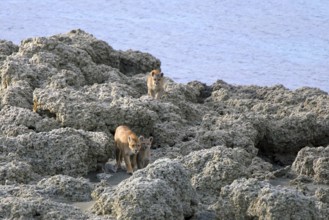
column 250, row 198
column 211, row 169
column 60, row 151
column 141, row 196
column 16, row 172
column 38, row 208
column 313, row 162
column 66, row 188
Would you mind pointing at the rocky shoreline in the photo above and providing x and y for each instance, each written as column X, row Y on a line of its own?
column 220, row 151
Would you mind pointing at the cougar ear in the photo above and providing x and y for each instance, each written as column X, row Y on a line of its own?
column 141, row 138
column 151, row 139
column 161, row 74
column 152, row 72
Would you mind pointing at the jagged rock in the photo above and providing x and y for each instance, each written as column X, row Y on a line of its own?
column 16, row 121
column 141, row 196
column 6, row 48
column 249, row 198
column 277, row 121
column 313, row 162
column 63, row 96
column 16, row 172
column 259, row 168
column 322, row 194
column 214, row 168
column 38, row 208
column 71, row 189
column 61, row 151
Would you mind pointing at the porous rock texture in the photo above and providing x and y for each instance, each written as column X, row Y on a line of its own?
column 160, row 191
column 220, row 151
column 313, row 162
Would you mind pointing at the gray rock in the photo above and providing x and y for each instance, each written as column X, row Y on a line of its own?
column 322, row 194
column 246, row 199
column 16, row 172
column 142, row 195
column 313, row 162
column 214, row 168
column 16, row 121
column 66, row 187
column 61, row 151
column 61, row 98
column 38, row 208
column 7, row 47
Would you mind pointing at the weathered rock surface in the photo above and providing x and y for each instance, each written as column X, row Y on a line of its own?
column 60, row 151
column 51, row 198
column 250, row 198
column 61, row 98
column 215, row 168
column 160, row 191
column 313, row 162
column 66, row 187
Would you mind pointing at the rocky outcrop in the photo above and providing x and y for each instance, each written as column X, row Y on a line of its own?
column 215, row 168
column 313, row 162
column 227, row 147
column 60, row 151
column 249, row 198
column 142, row 195
column 6, row 48
column 37, row 208
column 66, row 188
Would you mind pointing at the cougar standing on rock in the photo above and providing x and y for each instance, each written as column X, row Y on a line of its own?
column 155, row 83
column 127, row 145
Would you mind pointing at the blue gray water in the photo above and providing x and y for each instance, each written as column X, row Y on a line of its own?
column 239, row 41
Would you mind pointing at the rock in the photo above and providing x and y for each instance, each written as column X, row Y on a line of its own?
column 61, row 98
column 16, row 172
column 32, row 208
column 214, row 168
column 259, row 168
column 66, row 187
column 246, row 199
column 17, row 121
column 322, row 194
column 6, row 48
column 141, row 199
column 61, row 151
column 230, row 130
column 313, row 162
column 141, row 196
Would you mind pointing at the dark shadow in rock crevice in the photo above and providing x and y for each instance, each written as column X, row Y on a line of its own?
column 285, row 155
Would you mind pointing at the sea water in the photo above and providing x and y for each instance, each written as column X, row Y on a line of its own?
column 239, row 41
